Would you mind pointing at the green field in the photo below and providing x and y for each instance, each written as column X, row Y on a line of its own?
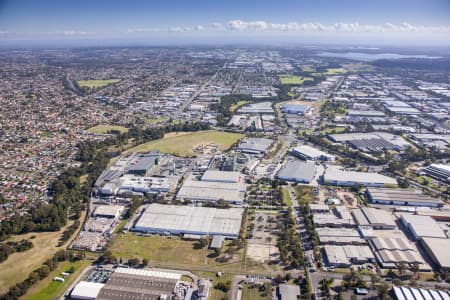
column 293, row 79
column 182, row 143
column 335, row 71
column 286, row 197
column 102, row 129
column 97, row 83
column 48, row 289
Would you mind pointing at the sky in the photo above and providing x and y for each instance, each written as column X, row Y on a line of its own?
column 397, row 22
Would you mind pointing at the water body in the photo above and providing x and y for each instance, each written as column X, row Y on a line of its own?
column 373, row 56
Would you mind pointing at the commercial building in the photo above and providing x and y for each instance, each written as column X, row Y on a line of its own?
column 294, row 109
column 374, row 218
column 297, row 171
column 438, row 250
column 347, row 255
column 257, row 108
column 438, row 171
column 222, row 176
column 407, row 293
column 173, row 219
column 339, row 217
column 339, row 236
column 335, row 176
column 254, row 145
column 108, row 211
column 405, row 197
column 309, row 153
column 422, row 226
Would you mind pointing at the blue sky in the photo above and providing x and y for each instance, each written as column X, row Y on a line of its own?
column 232, row 20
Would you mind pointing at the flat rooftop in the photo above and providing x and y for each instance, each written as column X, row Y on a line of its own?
column 190, row 220
column 412, row 196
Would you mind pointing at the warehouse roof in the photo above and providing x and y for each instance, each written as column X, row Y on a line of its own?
column 87, row 290
column 309, row 151
column 149, row 273
column 334, row 174
column 254, row 144
column 212, row 191
column 108, row 210
column 298, row 170
column 191, row 220
column 369, row 216
column 222, row 176
column 387, row 194
column 423, row 226
column 439, row 250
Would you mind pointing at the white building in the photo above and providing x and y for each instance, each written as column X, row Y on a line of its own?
column 309, row 153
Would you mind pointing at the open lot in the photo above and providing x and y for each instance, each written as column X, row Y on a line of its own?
column 48, row 289
column 293, row 79
column 182, row 143
column 101, row 129
column 261, row 247
column 20, row 264
column 96, row 83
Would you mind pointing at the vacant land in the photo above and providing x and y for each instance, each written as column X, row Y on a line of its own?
column 182, row 143
column 48, row 289
column 20, row 264
column 102, row 129
column 96, row 83
column 293, row 79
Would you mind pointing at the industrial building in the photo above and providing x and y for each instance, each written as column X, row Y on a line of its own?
column 254, row 145
column 422, row 226
column 339, row 236
column 86, row 290
column 339, row 217
column 390, row 251
column 407, row 293
column 347, row 255
column 309, row 153
column 108, row 211
column 438, row 250
column 173, row 219
column 405, row 197
column 294, row 109
column 213, row 189
column 142, row 163
column 298, row 171
column 335, row 176
column 438, row 171
column 222, row 176
column 139, row 284
column 257, row 108
column 374, row 218
column 371, row 141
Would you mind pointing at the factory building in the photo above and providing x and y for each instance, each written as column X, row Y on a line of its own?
column 390, row 251
column 173, row 219
column 222, row 176
column 438, row 171
column 297, row 109
column 401, row 197
column 407, row 293
column 309, row 153
column 297, row 171
column 422, row 226
column 438, row 250
column 86, row 290
column 142, row 163
column 374, row 218
column 335, row 176
column 254, row 145
column 347, row 255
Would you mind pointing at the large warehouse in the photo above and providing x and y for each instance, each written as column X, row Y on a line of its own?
column 335, row 176
column 298, row 171
column 401, row 197
column 438, row 250
column 174, row 219
column 389, row 251
column 374, row 218
column 254, row 145
column 422, row 226
column 309, row 153
column 213, row 186
column 345, row 256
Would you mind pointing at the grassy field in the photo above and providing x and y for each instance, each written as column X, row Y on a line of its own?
column 293, row 79
column 101, row 129
column 182, row 143
column 172, row 252
column 251, row 292
column 19, row 265
column 335, row 71
column 97, row 83
column 238, row 105
column 48, row 289
column 286, row 197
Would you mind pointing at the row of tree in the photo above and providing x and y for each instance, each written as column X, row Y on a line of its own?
column 10, row 247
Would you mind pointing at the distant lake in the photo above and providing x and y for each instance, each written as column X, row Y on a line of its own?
column 373, row 56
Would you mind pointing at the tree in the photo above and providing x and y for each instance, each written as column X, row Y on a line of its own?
column 382, row 291
column 401, row 267
column 415, row 268
column 145, row 262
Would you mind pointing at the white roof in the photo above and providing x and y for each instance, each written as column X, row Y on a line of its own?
column 423, row 226
column 189, row 219
column 333, row 173
column 439, row 248
column 149, row 273
column 221, row 176
column 85, row 289
column 310, row 151
column 212, row 191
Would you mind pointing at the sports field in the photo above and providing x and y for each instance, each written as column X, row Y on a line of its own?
column 101, row 129
column 293, row 79
column 97, row 83
column 335, row 71
column 182, row 143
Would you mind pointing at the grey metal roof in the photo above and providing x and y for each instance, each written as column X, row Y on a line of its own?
column 297, row 170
